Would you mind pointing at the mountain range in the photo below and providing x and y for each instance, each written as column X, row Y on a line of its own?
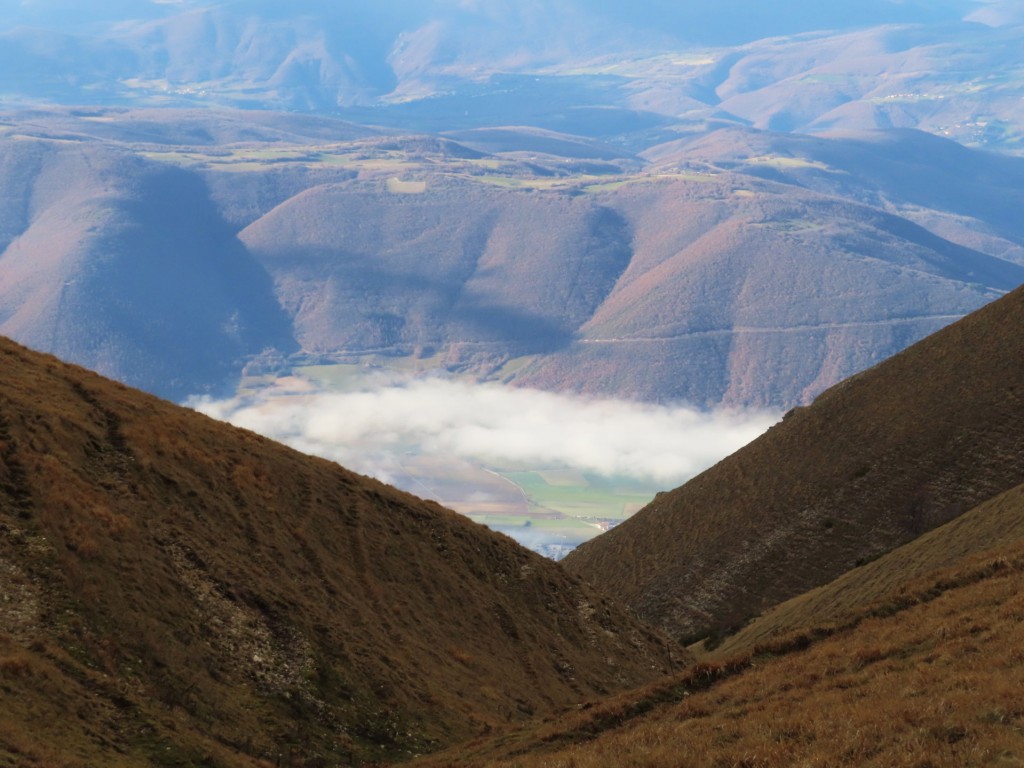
column 732, row 207
column 591, row 68
column 740, row 267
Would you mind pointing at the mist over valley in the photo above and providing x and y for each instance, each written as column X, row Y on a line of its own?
column 551, row 470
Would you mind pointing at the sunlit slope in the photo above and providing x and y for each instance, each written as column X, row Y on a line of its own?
column 184, row 591
column 875, row 462
column 930, row 675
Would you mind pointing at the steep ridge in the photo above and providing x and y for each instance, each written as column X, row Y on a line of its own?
column 180, row 592
column 126, row 266
column 874, row 462
column 928, row 675
column 994, row 524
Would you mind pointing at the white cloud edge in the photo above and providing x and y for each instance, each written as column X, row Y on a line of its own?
column 491, row 424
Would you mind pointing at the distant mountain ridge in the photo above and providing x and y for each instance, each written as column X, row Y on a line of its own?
column 436, row 65
column 738, row 267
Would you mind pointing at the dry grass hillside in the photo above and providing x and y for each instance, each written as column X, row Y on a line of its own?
column 929, row 674
column 992, row 524
column 179, row 592
column 874, row 462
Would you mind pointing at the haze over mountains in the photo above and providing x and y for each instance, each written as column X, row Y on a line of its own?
column 593, row 68
column 739, row 267
column 563, row 195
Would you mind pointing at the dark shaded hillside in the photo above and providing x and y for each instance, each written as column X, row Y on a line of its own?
column 182, row 593
column 992, row 525
column 126, row 266
column 360, row 267
column 875, row 462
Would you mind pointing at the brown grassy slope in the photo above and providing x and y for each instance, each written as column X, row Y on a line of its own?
column 931, row 676
column 994, row 523
column 876, row 461
column 182, row 588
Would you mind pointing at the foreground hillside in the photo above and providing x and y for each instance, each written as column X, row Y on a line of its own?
column 928, row 673
column 179, row 592
column 873, row 463
column 989, row 526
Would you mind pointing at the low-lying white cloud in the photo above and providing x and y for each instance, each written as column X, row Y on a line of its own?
column 370, row 430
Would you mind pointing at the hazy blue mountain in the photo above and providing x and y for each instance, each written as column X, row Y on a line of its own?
column 738, row 266
column 127, row 267
column 446, row 64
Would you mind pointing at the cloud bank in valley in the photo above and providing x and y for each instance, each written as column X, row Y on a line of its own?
column 370, row 430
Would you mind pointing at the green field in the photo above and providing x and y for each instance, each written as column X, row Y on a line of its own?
column 582, row 495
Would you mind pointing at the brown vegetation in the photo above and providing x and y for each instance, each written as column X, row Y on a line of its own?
column 928, row 676
column 875, row 462
column 179, row 592
column 997, row 522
